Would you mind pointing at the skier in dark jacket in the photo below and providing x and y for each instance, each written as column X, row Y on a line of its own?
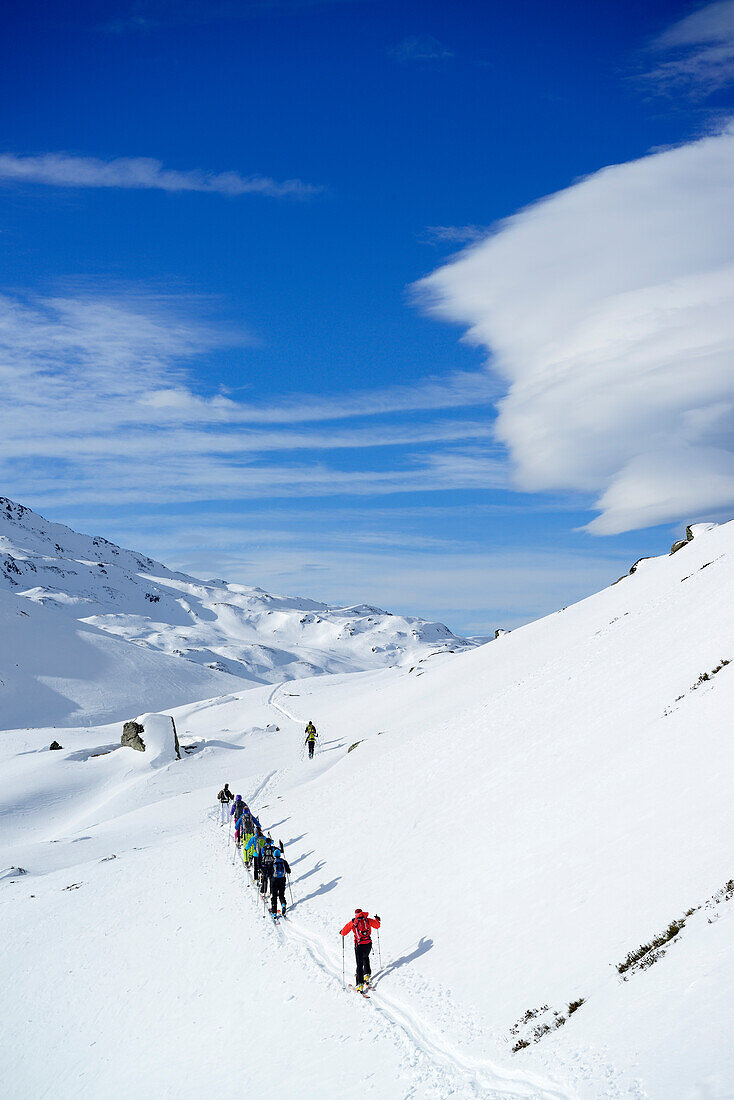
column 277, row 881
column 311, row 736
column 225, row 796
column 267, row 858
column 236, row 813
column 361, row 925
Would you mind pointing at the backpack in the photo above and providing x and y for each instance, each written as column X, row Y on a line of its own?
column 266, row 856
column 278, row 869
column 361, row 926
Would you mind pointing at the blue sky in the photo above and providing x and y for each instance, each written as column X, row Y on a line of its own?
column 213, row 220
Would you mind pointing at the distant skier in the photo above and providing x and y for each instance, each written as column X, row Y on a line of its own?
column 267, row 858
column 253, row 846
column 225, row 796
column 277, row 881
column 361, row 925
column 311, row 736
column 236, row 813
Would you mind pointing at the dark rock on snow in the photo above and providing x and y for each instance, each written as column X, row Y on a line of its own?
column 132, row 736
column 680, row 543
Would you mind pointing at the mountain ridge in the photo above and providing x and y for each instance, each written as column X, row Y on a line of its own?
column 238, row 631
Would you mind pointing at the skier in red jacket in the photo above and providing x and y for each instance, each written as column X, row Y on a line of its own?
column 361, row 925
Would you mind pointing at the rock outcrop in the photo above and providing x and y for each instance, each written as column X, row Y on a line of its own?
column 154, row 734
column 132, row 736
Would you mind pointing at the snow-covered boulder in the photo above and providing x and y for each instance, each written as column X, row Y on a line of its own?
column 153, row 734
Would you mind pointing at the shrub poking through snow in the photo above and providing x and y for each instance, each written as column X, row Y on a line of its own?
column 648, row 953
column 527, row 1017
column 704, row 678
column 538, row 1030
column 726, row 893
column 575, row 1005
column 543, row 1029
column 708, row 675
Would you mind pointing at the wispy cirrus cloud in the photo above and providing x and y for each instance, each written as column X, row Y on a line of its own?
column 455, row 234
column 608, row 312
column 421, row 47
column 99, row 404
column 367, row 560
column 697, row 52
column 146, row 173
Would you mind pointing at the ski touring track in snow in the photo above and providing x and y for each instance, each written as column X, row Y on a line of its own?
column 276, row 705
column 447, row 1070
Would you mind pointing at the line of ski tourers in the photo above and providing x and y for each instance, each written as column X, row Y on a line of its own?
column 271, row 871
column 260, row 853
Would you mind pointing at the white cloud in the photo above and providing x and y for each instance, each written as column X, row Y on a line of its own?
column 700, row 49
column 609, row 313
column 65, row 170
column 99, row 405
column 472, row 588
column 488, row 588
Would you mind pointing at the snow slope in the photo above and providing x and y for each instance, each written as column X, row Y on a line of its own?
column 59, row 672
column 226, row 628
column 522, row 816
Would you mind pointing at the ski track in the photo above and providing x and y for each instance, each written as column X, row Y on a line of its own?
column 277, row 706
column 259, row 790
column 447, row 1067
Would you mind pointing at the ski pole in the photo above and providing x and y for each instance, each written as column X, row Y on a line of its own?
column 379, row 949
column 290, row 888
column 343, row 978
column 229, row 832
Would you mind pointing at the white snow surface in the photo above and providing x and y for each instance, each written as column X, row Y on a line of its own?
column 522, row 816
column 107, row 629
column 159, row 739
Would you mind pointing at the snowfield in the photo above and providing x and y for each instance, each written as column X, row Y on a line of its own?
column 176, row 638
column 543, row 824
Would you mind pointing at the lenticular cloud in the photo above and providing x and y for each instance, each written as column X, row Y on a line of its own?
column 608, row 310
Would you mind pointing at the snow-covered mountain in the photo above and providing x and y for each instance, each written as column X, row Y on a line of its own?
column 543, row 824
column 229, row 630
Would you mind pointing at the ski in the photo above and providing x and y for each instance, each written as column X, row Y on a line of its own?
column 362, row 992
